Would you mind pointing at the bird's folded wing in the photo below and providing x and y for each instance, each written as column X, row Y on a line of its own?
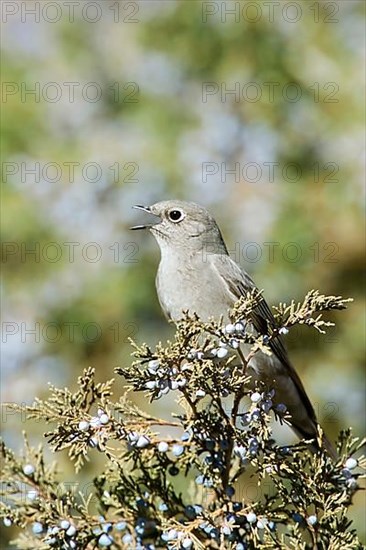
column 239, row 283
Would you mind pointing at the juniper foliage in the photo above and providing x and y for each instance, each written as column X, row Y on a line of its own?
column 173, row 483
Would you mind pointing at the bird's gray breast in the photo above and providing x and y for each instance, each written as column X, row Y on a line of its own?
column 191, row 284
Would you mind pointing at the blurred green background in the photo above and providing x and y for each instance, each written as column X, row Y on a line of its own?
column 255, row 110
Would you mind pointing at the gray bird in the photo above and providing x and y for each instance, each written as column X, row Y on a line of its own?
column 197, row 274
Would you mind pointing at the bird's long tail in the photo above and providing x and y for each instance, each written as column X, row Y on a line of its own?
column 319, row 438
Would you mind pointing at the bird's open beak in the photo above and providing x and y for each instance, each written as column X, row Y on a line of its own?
column 148, row 210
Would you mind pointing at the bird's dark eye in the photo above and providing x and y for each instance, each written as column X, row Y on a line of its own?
column 176, row 215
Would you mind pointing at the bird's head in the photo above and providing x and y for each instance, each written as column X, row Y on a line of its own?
column 183, row 225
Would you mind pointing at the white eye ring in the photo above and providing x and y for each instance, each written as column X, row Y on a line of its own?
column 175, row 215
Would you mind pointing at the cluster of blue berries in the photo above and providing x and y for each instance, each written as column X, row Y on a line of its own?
column 261, row 404
column 310, row 520
column 62, row 535
column 213, row 460
column 229, row 337
column 164, row 379
column 104, row 532
column 347, row 475
column 140, row 441
column 174, row 535
column 137, row 440
column 235, row 526
column 235, row 332
column 95, row 427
